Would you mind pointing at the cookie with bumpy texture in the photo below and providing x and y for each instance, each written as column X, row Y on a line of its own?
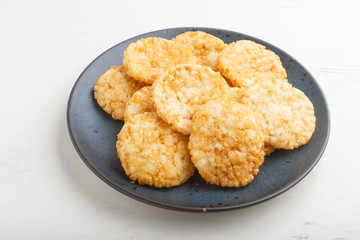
column 227, row 143
column 268, row 149
column 236, row 93
column 204, row 46
column 146, row 59
column 287, row 114
column 183, row 90
column 113, row 89
column 140, row 102
column 242, row 61
column 153, row 154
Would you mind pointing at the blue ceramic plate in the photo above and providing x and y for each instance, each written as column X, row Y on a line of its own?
column 94, row 134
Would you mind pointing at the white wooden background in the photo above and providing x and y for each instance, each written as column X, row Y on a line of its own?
column 48, row 193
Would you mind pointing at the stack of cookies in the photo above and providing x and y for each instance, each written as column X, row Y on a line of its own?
column 194, row 102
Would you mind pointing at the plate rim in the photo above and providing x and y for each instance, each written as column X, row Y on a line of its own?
column 170, row 206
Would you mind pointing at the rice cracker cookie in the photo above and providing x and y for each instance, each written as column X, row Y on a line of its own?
column 113, row 89
column 204, row 46
column 236, row 93
column 140, row 102
column 242, row 61
column 183, row 90
column 268, row 149
column 227, row 143
column 153, row 154
column 287, row 114
column 146, row 59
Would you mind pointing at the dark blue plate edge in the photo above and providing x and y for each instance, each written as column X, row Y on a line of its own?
column 197, row 209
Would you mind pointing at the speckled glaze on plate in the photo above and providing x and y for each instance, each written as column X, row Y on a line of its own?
column 94, row 134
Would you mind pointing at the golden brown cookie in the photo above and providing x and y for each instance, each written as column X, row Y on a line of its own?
column 227, row 143
column 268, row 149
column 236, row 93
column 153, row 154
column 140, row 102
column 183, row 90
column 243, row 61
column 148, row 58
column 287, row 114
column 113, row 89
column 204, row 46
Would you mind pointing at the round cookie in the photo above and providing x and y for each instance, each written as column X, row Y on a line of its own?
column 146, row 59
column 183, row 90
column 152, row 154
column 204, row 46
column 287, row 114
column 113, row 89
column 243, row 61
column 226, row 144
column 140, row 102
